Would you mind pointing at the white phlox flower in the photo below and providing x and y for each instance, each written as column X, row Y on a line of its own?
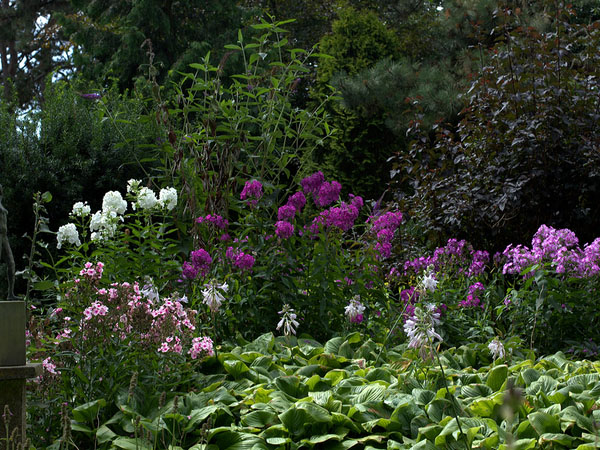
column 80, row 209
column 420, row 328
column 288, row 320
column 68, row 234
column 133, row 185
column 213, row 297
column 496, row 348
column 146, row 199
column 103, row 225
column 113, row 202
column 167, row 198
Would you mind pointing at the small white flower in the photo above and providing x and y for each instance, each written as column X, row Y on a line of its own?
column 133, row 185
column 150, row 291
column 146, row 199
column 103, row 225
column 113, row 202
column 420, row 328
column 167, row 198
column 354, row 310
column 212, row 297
column 80, row 209
column 429, row 283
column 288, row 320
column 68, row 234
column 496, row 348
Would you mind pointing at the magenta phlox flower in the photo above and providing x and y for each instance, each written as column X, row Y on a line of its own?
column 342, row 217
column 298, row 200
column 240, row 259
column 356, row 201
column 253, row 191
column 92, row 272
column 312, row 183
column 477, row 267
column 283, row 229
column 473, row 299
column 214, row 219
column 328, row 193
column 286, row 212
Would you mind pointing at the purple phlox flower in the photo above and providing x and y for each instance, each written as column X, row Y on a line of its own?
column 253, row 191
column 356, row 201
column 480, row 259
column 286, row 212
column 284, row 229
column 215, row 220
column 328, row 193
column 312, row 183
column 298, row 200
column 240, row 259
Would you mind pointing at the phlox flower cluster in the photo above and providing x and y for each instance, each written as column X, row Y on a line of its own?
column 146, row 199
column 324, row 192
column 557, row 247
column 123, row 315
column 355, row 310
column 284, row 229
column 92, row 272
column 81, row 209
column 215, row 220
column 201, row 346
column 384, row 226
column 239, row 259
column 457, row 257
column 473, row 299
column 199, row 264
column 252, row 192
column 67, row 234
column 113, row 202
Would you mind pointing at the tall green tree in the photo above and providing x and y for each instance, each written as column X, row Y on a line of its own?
column 122, row 40
column 32, row 46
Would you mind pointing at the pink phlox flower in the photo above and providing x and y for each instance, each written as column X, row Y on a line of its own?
column 49, row 366
column 252, row 190
column 214, row 219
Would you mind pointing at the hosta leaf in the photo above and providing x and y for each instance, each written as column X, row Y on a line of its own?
column 294, row 419
column 529, row 376
column 197, row 416
column 371, row 393
column 496, row 377
column 313, row 440
column 130, row 444
column 292, row 385
column 104, row 434
column 328, row 360
column 475, row 390
column 226, row 439
column 543, row 384
column 544, row 423
column 379, row 373
column 259, row 419
column 333, row 345
column 520, row 444
column 570, row 415
column 316, row 413
column 556, row 438
column 422, row 396
column 88, row 412
column 235, row 368
column 336, row 375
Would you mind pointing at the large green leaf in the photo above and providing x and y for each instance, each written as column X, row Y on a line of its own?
column 544, row 423
column 292, row 386
column 228, row 439
column 294, row 420
column 496, row 377
column 88, row 412
column 235, row 368
column 259, row 419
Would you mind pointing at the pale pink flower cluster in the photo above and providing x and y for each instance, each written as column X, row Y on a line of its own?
column 96, row 309
column 200, row 346
column 92, row 272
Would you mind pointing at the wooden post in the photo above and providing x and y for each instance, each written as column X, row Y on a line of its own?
column 14, row 371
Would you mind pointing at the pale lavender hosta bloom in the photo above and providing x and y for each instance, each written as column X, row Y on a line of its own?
column 420, row 327
column 213, row 297
column 497, row 349
column 288, row 320
column 428, row 282
column 354, row 310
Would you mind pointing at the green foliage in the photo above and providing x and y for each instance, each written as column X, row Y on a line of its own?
column 303, row 394
column 113, row 37
column 524, row 152
column 71, row 150
column 221, row 131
